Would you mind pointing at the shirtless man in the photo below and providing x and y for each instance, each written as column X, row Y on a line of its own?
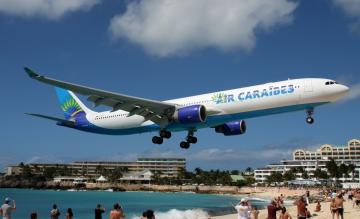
column 117, row 212
column 301, row 208
column 284, row 214
column 339, row 202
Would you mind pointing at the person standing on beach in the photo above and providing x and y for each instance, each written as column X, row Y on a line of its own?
column 69, row 214
column 255, row 213
column 284, row 214
column 307, row 197
column 339, row 201
column 333, row 208
column 54, row 213
column 272, row 208
column 99, row 210
column 143, row 215
column 301, row 208
column 33, row 215
column 6, row 209
column 150, row 214
column 318, row 207
column 243, row 209
column 117, row 212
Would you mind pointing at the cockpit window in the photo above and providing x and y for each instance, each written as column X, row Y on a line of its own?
column 330, row 82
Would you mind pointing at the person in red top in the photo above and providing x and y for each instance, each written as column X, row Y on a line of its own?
column 301, row 208
column 272, row 208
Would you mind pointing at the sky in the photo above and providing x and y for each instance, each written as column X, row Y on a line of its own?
column 164, row 49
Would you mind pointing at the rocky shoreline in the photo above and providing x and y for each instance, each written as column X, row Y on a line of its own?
column 130, row 187
column 125, row 187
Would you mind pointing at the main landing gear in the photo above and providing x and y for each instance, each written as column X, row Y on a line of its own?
column 309, row 118
column 190, row 139
column 160, row 139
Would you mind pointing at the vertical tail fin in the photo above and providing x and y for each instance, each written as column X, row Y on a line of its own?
column 71, row 105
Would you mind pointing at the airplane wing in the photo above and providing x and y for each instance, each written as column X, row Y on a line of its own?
column 156, row 111
column 67, row 122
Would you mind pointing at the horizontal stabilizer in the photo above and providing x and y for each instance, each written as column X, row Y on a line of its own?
column 62, row 121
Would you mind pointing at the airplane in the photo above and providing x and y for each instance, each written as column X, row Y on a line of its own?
column 225, row 111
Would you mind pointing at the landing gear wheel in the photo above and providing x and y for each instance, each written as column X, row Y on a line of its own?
column 310, row 120
column 184, row 144
column 165, row 134
column 157, row 140
column 191, row 139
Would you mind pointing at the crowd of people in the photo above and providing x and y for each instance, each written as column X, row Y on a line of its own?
column 336, row 198
column 116, row 212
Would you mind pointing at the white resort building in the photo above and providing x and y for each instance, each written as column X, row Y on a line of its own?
column 167, row 167
column 311, row 160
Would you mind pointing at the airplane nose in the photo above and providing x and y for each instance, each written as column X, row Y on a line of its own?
column 344, row 89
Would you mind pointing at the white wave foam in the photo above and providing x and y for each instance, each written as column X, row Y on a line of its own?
column 178, row 214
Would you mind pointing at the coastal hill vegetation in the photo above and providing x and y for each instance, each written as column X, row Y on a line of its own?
column 30, row 177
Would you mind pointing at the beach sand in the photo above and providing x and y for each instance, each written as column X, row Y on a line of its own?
column 349, row 212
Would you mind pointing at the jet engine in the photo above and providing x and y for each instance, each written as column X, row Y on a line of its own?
column 191, row 114
column 232, row 128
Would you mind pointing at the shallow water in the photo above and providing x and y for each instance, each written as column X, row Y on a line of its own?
column 165, row 205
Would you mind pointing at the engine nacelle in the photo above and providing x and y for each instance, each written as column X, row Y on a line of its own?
column 232, row 128
column 191, row 114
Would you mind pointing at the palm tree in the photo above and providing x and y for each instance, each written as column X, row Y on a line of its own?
column 198, row 171
column 351, row 169
column 320, row 174
column 289, row 175
column 343, row 168
column 333, row 169
column 249, row 170
column 274, row 177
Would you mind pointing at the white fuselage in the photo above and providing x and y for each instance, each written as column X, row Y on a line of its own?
column 235, row 104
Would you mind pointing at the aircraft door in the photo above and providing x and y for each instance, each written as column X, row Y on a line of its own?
column 308, row 86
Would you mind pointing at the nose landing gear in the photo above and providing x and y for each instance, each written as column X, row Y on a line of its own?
column 309, row 118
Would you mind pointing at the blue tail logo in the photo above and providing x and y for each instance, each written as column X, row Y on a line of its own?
column 71, row 107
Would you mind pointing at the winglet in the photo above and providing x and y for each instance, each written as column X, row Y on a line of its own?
column 31, row 73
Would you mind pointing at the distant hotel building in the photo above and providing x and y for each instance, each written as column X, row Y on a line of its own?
column 167, row 167
column 311, row 160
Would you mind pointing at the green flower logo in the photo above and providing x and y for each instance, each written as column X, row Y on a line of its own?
column 219, row 98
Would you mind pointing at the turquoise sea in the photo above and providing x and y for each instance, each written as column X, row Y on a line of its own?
column 165, row 205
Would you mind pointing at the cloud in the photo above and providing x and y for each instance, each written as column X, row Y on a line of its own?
column 52, row 9
column 353, row 94
column 170, row 27
column 216, row 154
column 352, row 9
column 348, row 79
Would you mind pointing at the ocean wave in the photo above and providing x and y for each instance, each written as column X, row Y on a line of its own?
column 179, row 214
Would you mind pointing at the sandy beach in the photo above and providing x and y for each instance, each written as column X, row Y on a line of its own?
column 349, row 212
